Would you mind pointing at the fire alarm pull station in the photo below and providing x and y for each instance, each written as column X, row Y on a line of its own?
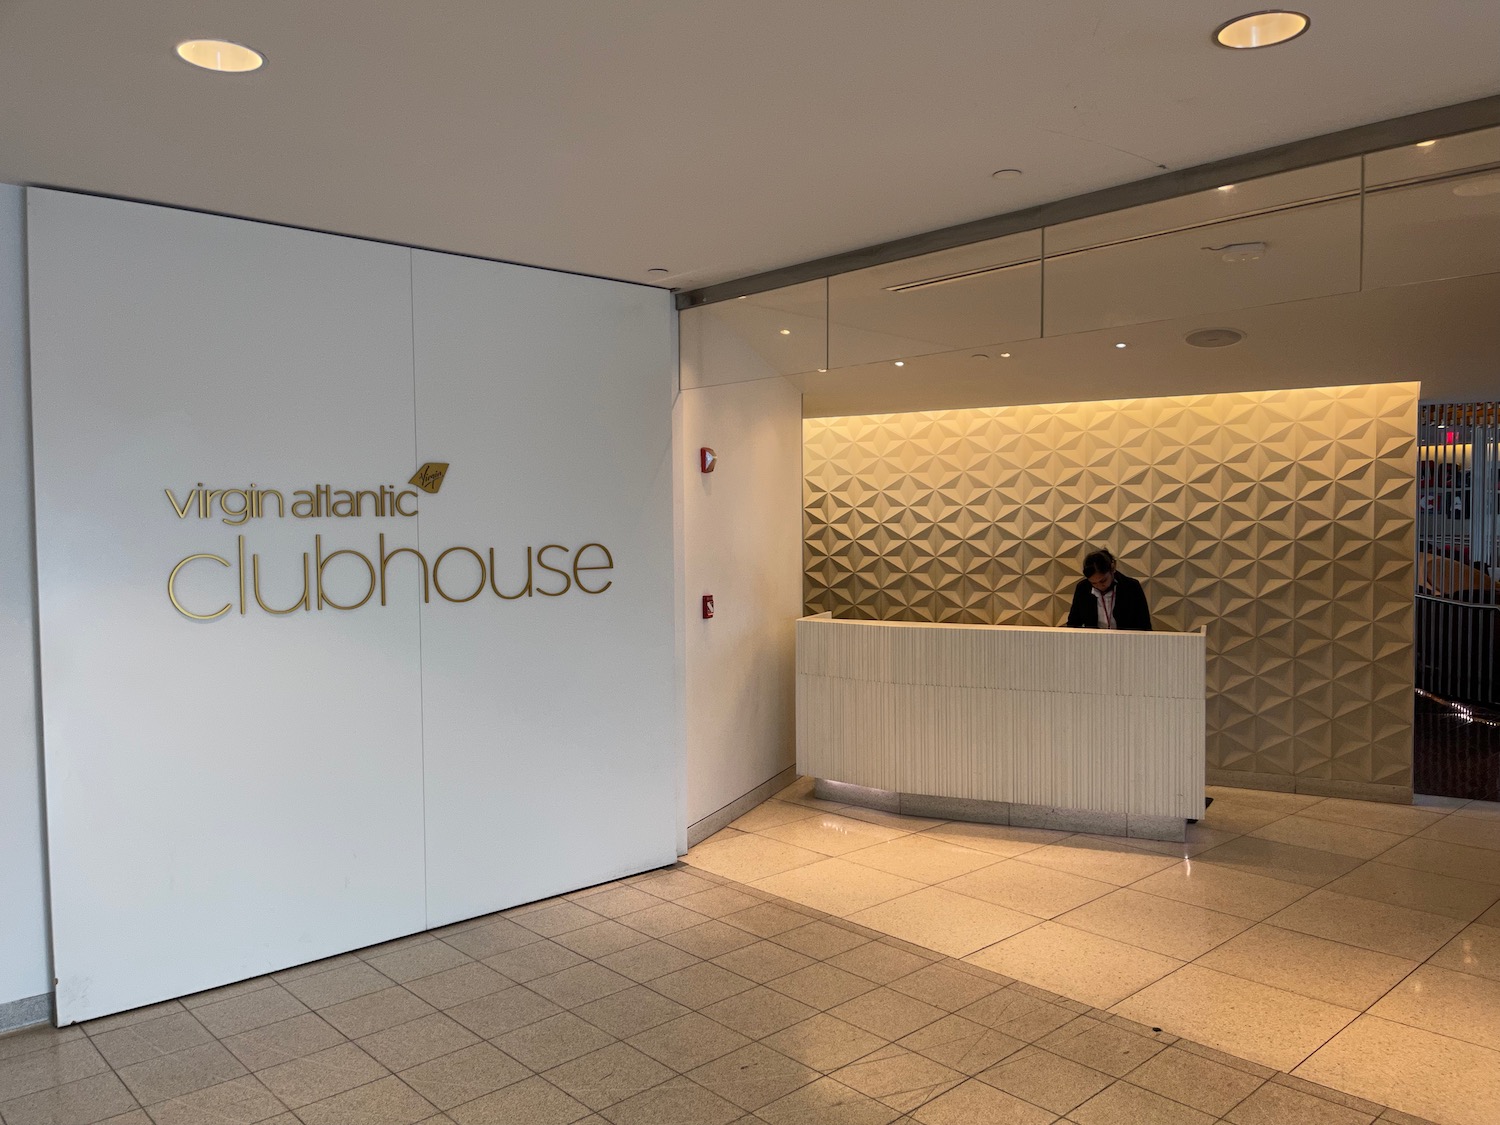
column 708, row 606
column 707, row 459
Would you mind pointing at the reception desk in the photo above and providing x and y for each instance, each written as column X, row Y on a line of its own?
column 1076, row 729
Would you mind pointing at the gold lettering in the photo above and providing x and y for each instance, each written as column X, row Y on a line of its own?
column 524, row 592
column 241, row 539
column 260, row 502
column 304, row 602
column 608, row 564
column 324, row 599
column 172, row 590
column 181, row 510
column 396, row 505
column 376, row 503
column 561, row 573
column 245, row 510
column 386, row 558
column 305, row 508
column 479, row 589
column 351, row 507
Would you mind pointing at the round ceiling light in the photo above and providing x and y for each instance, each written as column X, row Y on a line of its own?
column 1006, row 174
column 658, row 271
column 220, row 55
column 1214, row 337
column 1261, row 29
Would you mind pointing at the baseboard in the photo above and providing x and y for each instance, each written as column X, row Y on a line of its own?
column 16, row 1014
column 701, row 830
column 1311, row 786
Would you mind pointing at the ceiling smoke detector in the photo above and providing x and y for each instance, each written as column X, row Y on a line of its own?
column 1214, row 337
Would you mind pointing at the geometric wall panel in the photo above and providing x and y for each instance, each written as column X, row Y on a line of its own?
column 1284, row 521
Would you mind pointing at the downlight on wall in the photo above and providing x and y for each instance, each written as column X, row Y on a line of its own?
column 220, row 55
column 1261, row 29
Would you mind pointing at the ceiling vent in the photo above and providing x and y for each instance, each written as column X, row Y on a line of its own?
column 1214, row 337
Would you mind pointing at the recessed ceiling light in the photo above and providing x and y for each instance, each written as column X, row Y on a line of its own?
column 786, row 331
column 1214, row 337
column 1261, row 29
column 220, row 55
column 1006, row 174
column 658, row 271
column 1122, row 345
column 1227, row 187
column 822, row 371
column 1426, row 144
column 900, row 363
column 1005, row 355
column 979, row 355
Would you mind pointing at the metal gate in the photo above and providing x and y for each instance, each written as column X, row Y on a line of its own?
column 1458, row 551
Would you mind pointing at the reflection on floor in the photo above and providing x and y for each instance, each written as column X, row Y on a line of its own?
column 691, row 995
column 1353, row 944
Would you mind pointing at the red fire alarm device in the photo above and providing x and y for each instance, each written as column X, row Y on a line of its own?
column 708, row 606
column 707, row 459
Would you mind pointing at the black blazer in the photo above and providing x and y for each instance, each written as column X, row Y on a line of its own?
column 1131, row 611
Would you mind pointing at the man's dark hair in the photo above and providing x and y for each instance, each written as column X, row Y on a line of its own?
column 1098, row 561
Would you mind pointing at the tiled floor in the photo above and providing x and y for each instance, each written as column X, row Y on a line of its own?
column 1350, row 943
column 682, row 996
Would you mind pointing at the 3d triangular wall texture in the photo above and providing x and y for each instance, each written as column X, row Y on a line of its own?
column 1284, row 521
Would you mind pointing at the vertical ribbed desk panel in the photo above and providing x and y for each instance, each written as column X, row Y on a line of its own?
column 1061, row 718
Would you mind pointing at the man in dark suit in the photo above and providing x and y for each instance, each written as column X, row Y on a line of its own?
column 1106, row 599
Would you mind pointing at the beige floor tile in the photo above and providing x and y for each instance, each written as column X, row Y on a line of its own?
column 420, row 960
column 711, row 939
column 1475, row 951
column 337, row 985
column 961, row 1044
column 284, row 1041
column 836, row 886
column 923, row 857
column 171, row 1076
column 1329, row 836
column 408, row 1044
column 655, row 922
column 1423, row 853
column 1022, row 1012
column 1101, row 1045
column 321, row 1075
column 581, row 984
column 386, row 1102
column 640, row 963
column 616, row 899
column 533, row 1101
column 975, row 1101
column 879, row 962
column 1223, row 889
column 552, row 1042
column 701, row 984
column 241, row 1101
column 891, row 820
column 1196, row 1081
column 1198, row 838
column 604, row 938
column 1176, row 929
column 1447, row 1003
column 1076, row 964
column 679, row 1099
column 753, row 1076
column 464, row 1075
column 900, row 1078
column 887, row 1013
column 494, row 1015
column 824, row 1042
column 251, row 1010
column 225, row 992
column 1124, row 1104
column 719, row 901
column 939, row 919
column 673, row 883
column 1041, row 892
column 1465, row 828
column 1411, row 1070
column 1288, row 862
column 1235, row 818
column 558, row 916
column 1331, row 971
column 608, row 1076
column 453, row 987
column 1402, row 819
column 1396, row 930
column 822, row 986
column 622, row 1014
column 820, row 940
column 826, row 1102
column 831, row 834
column 945, row 985
column 1491, row 917
column 1047, row 1080
column 759, row 1012
column 1266, row 1025
column 766, row 919
column 1274, row 1104
column 688, row 1041
column 763, row 961
column 539, row 959
column 492, row 937
column 749, row 856
column 998, row 839
column 366, row 1015
column 1092, row 859
column 1418, row 890
column 770, row 814
column 138, row 1042
column 86, row 1100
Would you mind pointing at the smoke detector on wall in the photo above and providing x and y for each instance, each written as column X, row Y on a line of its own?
column 1214, row 337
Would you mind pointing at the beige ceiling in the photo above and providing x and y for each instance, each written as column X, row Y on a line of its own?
column 716, row 139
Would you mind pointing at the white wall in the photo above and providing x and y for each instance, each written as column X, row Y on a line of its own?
column 743, row 544
column 229, row 797
column 24, row 963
